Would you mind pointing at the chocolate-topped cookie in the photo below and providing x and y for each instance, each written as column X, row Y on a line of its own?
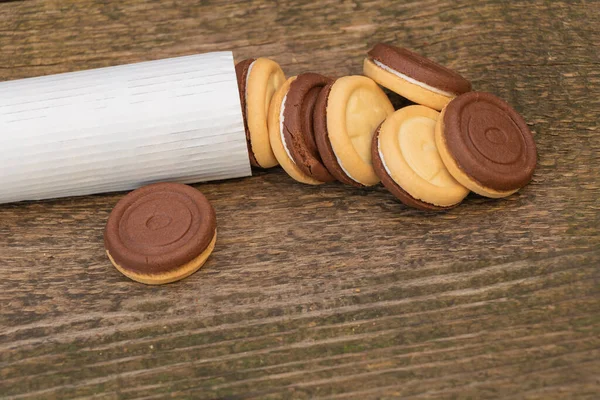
column 279, row 144
column 486, row 145
column 413, row 76
column 160, row 233
column 258, row 79
column 347, row 113
column 406, row 160
column 297, row 122
column 241, row 72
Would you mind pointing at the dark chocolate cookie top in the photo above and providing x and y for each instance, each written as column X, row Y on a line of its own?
column 420, row 68
column 241, row 72
column 490, row 141
column 298, row 124
column 159, row 227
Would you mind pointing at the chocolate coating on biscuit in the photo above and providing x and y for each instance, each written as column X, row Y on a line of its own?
column 420, row 68
column 241, row 72
column 490, row 141
column 322, row 139
column 392, row 186
column 298, row 125
column 159, row 228
column 307, row 112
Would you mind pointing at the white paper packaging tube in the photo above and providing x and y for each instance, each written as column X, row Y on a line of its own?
column 120, row 128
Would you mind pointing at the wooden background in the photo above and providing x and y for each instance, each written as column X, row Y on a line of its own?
column 331, row 291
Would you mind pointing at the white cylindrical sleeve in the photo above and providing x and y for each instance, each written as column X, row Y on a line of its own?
column 122, row 127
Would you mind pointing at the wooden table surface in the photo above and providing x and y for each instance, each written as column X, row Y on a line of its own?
column 328, row 291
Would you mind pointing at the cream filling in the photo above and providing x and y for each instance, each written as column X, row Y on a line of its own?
column 281, row 110
column 411, row 80
column 246, row 88
column 344, row 169
column 382, row 159
column 246, row 96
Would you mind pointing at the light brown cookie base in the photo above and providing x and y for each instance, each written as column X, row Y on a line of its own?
column 172, row 276
column 264, row 79
column 455, row 170
column 322, row 139
column 405, row 88
column 355, row 108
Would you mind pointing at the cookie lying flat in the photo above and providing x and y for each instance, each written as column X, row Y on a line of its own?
column 347, row 113
column 258, row 80
column 486, row 145
column 407, row 161
column 413, row 76
column 160, row 233
column 291, row 128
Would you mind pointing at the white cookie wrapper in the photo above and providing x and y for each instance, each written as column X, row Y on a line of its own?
column 119, row 128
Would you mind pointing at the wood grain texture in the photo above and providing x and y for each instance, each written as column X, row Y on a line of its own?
column 328, row 291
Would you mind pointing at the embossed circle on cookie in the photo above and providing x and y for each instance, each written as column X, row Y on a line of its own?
column 158, row 221
column 363, row 115
column 496, row 136
column 417, row 145
column 486, row 144
column 142, row 226
column 492, row 132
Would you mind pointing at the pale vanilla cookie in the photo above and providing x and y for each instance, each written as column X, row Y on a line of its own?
column 277, row 136
column 406, row 159
column 258, row 80
column 486, row 145
column 347, row 113
column 413, row 76
column 160, row 233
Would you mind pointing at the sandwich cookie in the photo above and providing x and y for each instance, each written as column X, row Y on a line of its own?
column 279, row 143
column 160, row 233
column 258, row 79
column 413, row 76
column 347, row 113
column 486, row 145
column 291, row 128
column 406, row 159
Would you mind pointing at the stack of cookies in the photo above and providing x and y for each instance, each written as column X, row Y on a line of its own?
column 429, row 155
